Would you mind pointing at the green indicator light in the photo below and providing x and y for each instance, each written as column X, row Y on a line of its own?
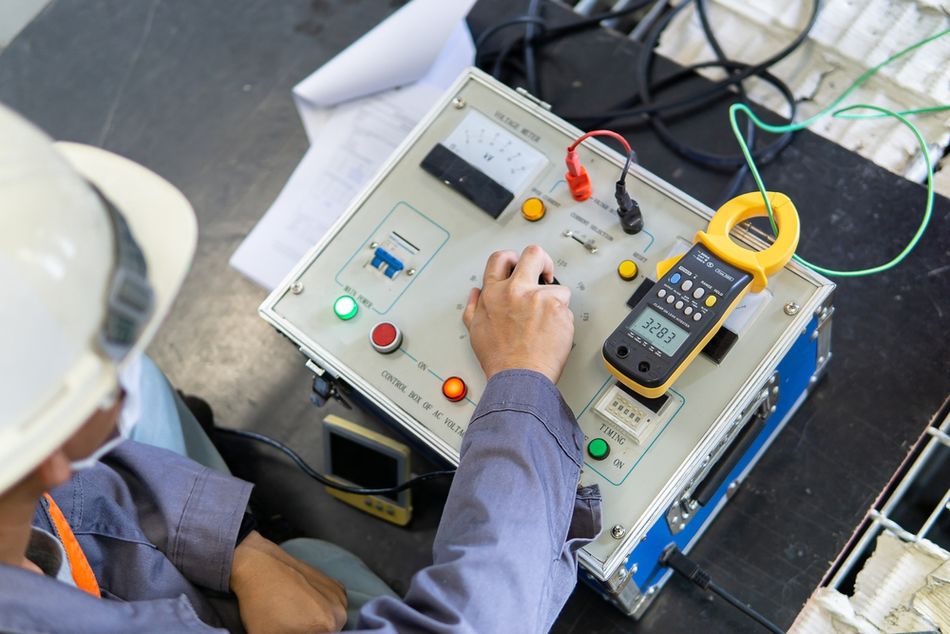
column 345, row 307
column 598, row 448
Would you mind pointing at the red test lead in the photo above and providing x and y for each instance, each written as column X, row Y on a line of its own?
column 577, row 178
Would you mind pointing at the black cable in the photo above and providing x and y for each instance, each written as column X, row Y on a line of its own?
column 530, row 61
column 714, row 91
column 488, row 33
column 322, row 479
column 674, row 559
column 727, row 162
column 546, row 36
column 739, row 177
column 657, row 123
column 631, row 217
column 718, row 88
column 648, row 109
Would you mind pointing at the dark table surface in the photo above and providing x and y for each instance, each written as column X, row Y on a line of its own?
column 200, row 93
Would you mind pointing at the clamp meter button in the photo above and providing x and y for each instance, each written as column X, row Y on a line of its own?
column 697, row 316
column 679, row 305
column 454, row 389
column 627, row 270
column 675, row 278
column 533, row 209
column 598, row 449
column 688, row 284
column 688, row 310
column 661, row 292
column 670, row 299
column 385, row 337
column 711, row 301
column 345, row 307
column 699, row 292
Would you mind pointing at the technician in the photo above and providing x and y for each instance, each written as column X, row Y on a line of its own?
column 93, row 250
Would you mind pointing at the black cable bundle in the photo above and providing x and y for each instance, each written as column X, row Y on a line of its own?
column 643, row 107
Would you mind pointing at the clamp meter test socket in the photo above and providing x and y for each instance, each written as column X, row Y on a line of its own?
column 376, row 309
column 694, row 295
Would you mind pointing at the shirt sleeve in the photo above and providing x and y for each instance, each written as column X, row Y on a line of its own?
column 189, row 512
column 505, row 555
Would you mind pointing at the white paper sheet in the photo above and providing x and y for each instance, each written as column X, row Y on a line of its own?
column 345, row 155
column 426, row 43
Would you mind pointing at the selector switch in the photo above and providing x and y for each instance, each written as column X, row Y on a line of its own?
column 385, row 337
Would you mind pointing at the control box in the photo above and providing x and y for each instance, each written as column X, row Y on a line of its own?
column 377, row 304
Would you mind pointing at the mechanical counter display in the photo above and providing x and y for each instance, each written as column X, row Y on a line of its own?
column 377, row 304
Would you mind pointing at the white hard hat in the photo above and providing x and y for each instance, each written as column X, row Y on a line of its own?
column 93, row 250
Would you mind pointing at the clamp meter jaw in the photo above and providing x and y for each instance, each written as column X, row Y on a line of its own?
column 694, row 295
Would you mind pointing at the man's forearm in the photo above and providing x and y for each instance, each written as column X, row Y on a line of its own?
column 500, row 558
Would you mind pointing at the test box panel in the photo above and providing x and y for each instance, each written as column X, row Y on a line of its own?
column 410, row 247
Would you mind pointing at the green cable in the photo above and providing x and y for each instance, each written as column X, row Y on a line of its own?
column 845, row 113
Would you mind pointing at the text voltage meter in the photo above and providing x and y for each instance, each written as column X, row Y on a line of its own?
column 694, row 295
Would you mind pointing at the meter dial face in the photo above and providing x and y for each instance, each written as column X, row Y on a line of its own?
column 495, row 152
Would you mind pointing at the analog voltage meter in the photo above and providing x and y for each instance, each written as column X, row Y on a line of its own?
column 485, row 163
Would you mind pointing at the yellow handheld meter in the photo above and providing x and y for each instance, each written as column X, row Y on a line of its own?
column 695, row 293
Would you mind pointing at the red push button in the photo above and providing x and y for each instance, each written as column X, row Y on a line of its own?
column 454, row 389
column 385, row 337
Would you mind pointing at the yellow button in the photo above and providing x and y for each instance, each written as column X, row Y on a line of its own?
column 711, row 301
column 532, row 209
column 627, row 270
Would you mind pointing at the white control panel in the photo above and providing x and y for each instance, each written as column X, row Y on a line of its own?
column 405, row 255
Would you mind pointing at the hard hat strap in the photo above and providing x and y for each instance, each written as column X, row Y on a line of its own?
column 131, row 298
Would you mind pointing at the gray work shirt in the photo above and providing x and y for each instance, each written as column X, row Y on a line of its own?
column 159, row 533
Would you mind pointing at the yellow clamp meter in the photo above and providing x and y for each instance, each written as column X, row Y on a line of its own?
column 695, row 293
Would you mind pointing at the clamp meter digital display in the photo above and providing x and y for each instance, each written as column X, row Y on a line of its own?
column 694, row 295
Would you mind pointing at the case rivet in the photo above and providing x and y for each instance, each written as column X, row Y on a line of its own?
column 618, row 531
column 296, row 288
column 791, row 309
column 458, row 103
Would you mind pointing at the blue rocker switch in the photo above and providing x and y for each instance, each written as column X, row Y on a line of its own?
column 386, row 262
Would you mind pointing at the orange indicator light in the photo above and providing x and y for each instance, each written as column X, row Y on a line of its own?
column 454, row 389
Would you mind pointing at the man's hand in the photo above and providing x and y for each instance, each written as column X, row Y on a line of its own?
column 279, row 594
column 515, row 322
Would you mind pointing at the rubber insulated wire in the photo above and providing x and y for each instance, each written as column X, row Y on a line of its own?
column 848, row 112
